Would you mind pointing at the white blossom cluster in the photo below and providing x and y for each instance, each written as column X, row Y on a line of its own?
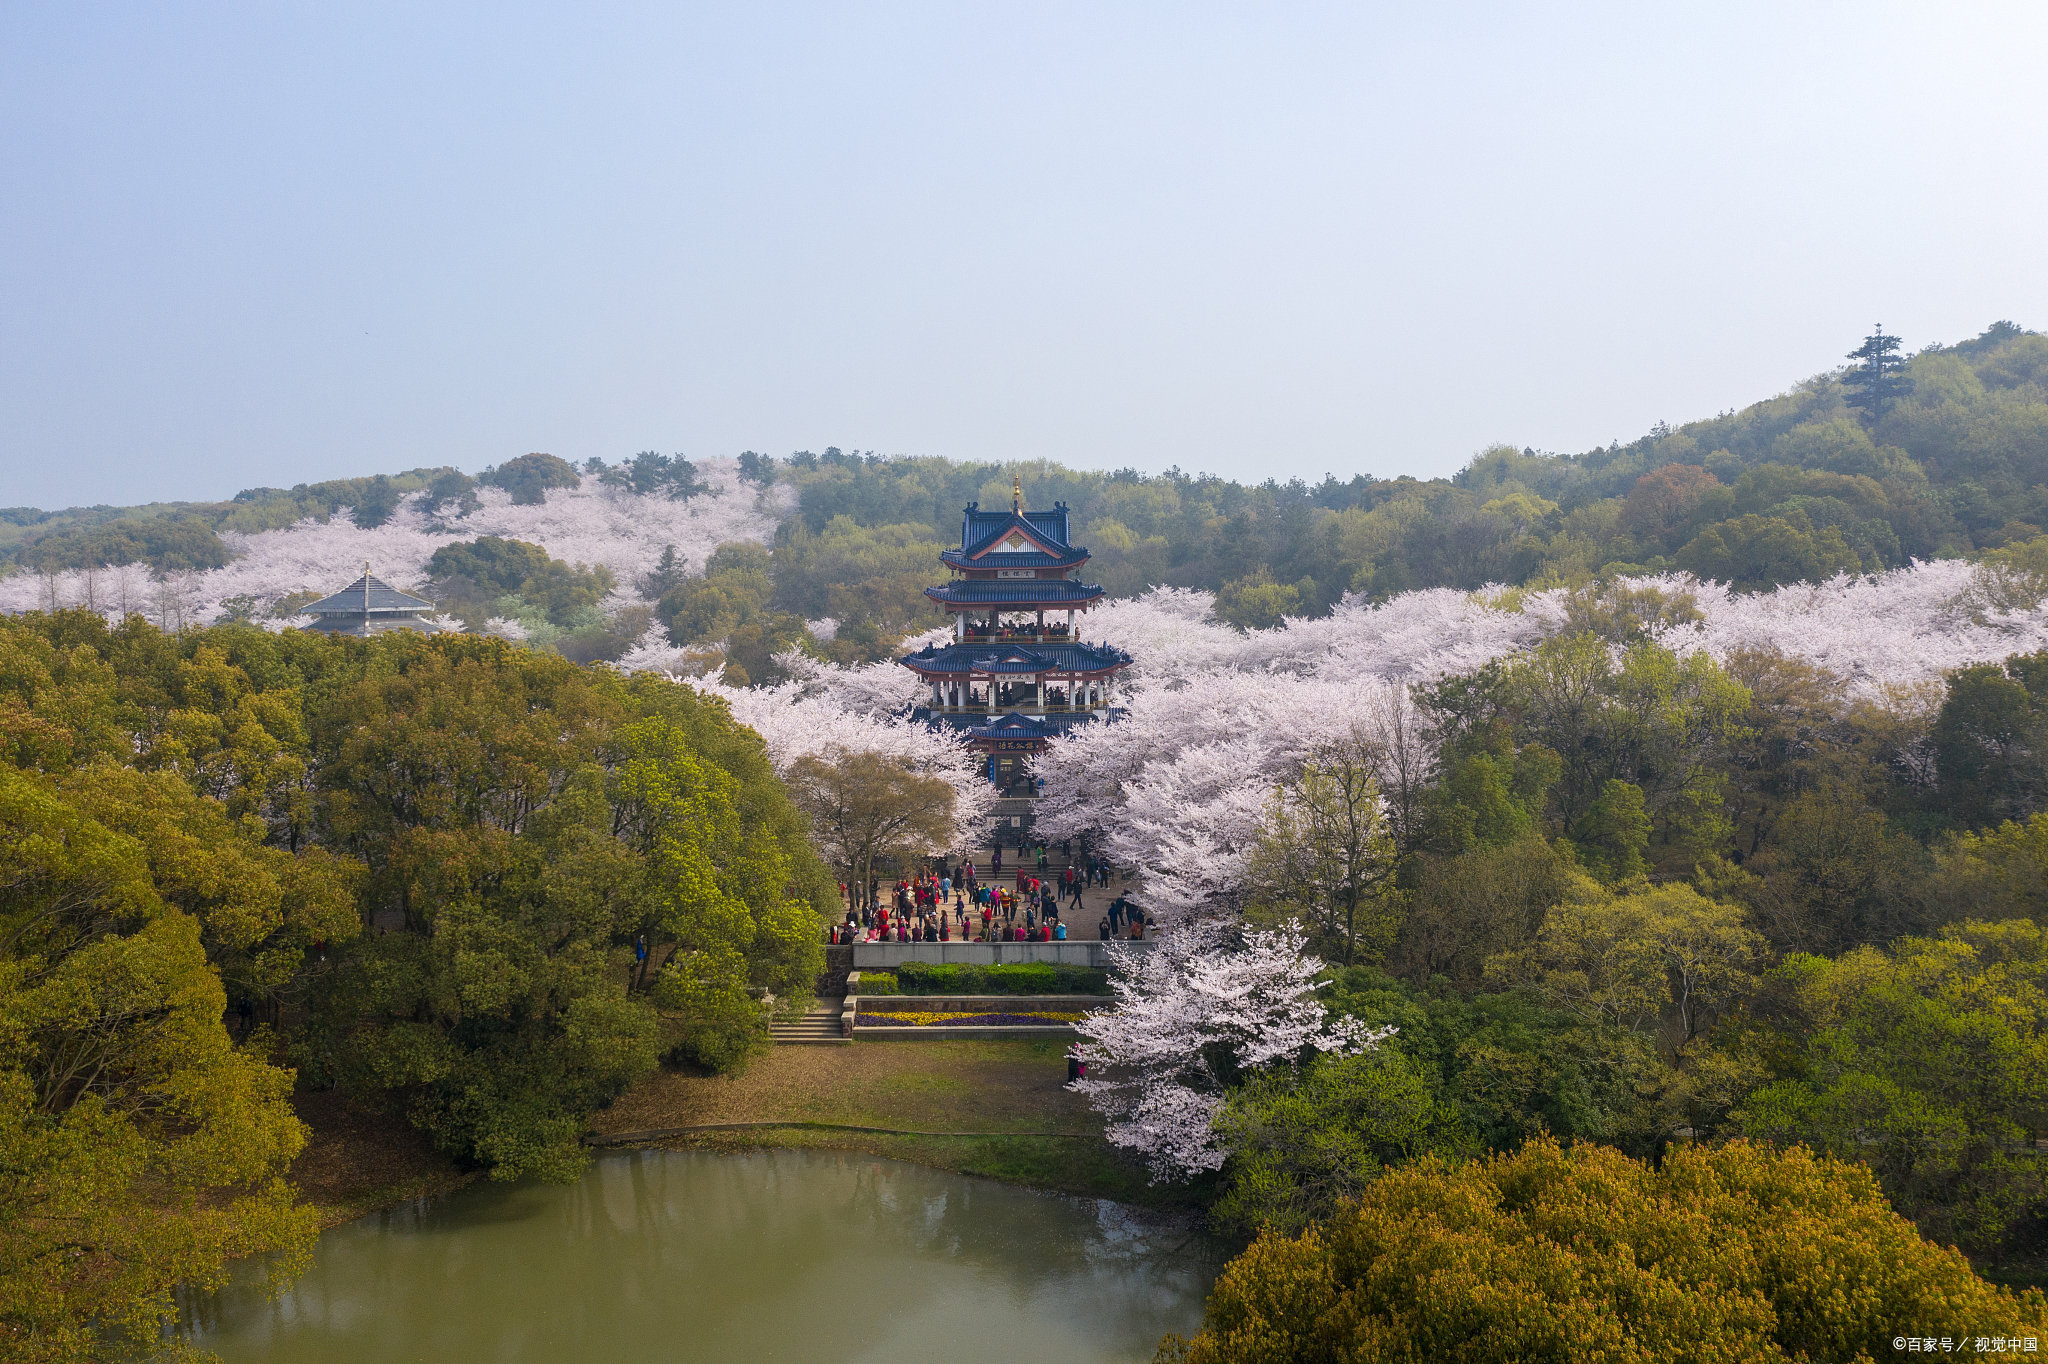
column 824, row 708
column 1204, row 991
column 590, row 525
column 1217, row 717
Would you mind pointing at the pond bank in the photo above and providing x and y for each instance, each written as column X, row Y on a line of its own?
column 359, row 1161
column 1027, row 1128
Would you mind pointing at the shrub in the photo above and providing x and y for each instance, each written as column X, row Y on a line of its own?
column 1739, row 1253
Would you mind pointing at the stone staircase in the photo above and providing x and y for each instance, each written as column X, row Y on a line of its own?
column 818, row 1028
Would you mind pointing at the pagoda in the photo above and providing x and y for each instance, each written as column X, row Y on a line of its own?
column 1011, row 680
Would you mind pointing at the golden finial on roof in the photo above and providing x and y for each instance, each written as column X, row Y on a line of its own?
column 1016, row 493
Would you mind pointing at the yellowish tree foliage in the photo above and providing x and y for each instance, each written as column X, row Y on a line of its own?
column 1731, row 1255
column 1633, row 959
column 138, row 1147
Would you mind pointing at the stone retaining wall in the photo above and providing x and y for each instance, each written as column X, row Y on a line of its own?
column 883, row 956
column 851, row 1026
column 1053, row 1030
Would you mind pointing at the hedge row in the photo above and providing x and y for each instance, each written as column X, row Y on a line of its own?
column 1019, row 978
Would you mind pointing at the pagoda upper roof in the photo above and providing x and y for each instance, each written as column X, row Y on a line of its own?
column 1014, row 591
column 978, row 527
column 1014, row 539
column 995, row 657
column 367, row 594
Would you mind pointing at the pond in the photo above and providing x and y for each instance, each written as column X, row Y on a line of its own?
column 679, row 1256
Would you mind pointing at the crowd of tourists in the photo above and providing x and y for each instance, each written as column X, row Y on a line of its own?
column 966, row 903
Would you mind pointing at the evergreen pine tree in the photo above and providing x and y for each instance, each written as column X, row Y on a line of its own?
column 1878, row 377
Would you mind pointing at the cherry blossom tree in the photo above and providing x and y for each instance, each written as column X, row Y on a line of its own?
column 1203, row 1007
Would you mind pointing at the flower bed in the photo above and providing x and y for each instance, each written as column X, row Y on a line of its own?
column 910, row 1018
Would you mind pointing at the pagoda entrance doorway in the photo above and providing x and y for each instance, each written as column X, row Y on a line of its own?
column 1013, row 776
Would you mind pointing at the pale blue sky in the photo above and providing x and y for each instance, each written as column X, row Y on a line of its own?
column 269, row 243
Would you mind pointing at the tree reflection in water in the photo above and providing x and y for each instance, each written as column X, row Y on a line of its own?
column 694, row 1255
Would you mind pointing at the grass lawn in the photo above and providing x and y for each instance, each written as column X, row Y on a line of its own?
column 964, row 1086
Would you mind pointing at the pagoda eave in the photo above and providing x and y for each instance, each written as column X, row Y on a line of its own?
column 978, row 674
column 961, row 559
column 1013, row 596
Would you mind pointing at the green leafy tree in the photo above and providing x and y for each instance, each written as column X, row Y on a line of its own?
column 652, row 472
column 509, row 810
column 1737, row 1253
column 1755, row 553
column 1325, row 854
column 1634, row 960
column 1654, row 721
column 1303, row 1141
column 727, row 916
column 1990, row 742
column 866, row 808
column 1513, row 1067
column 1661, row 503
column 1928, row 1061
column 668, row 575
column 1475, row 905
column 165, row 543
column 1611, row 835
column 529, row 477
column 1256, row 602
column 450, row 487
column 491, row 562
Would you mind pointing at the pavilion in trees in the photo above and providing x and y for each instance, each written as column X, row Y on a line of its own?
column 1012, row 679
column 368, row 606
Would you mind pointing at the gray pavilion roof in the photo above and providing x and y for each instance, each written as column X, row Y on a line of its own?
column 383, row 599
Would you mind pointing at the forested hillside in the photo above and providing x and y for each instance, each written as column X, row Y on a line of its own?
column 742, row 559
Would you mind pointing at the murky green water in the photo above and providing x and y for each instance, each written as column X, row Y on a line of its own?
column 680, row 1256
